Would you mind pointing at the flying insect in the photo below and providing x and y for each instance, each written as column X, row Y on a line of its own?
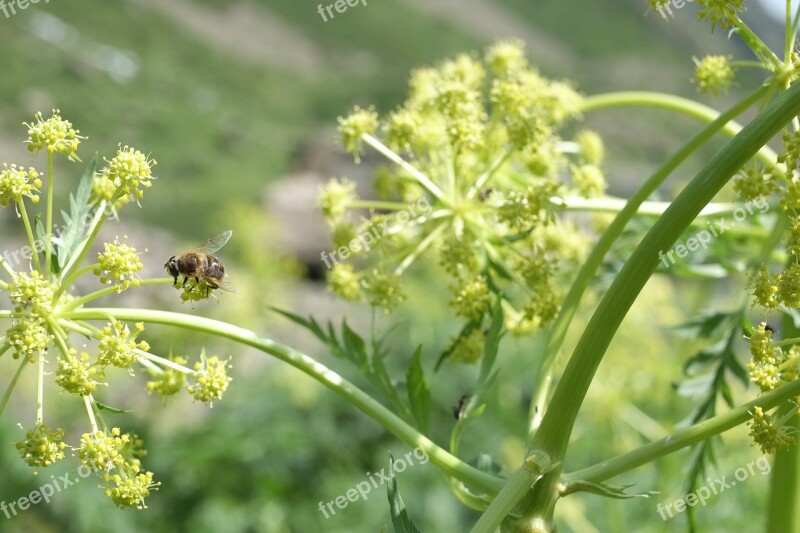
column 201, row 265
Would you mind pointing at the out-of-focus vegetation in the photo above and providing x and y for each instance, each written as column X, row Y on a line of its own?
column 188, row 82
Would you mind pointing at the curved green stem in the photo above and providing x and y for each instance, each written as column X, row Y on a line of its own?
column 718, row 122
column 683, row 438
column 449, row 464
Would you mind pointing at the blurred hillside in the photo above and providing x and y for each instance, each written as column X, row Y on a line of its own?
column 223, row 93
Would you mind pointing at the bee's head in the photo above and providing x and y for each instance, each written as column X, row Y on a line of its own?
column 172, row 266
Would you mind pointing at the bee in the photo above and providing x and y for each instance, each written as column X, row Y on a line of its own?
column 201, row 265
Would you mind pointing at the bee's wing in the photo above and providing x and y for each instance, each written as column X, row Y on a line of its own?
column 214, row 243
column 226, row 284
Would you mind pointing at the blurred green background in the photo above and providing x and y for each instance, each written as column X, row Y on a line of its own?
column 237, row 100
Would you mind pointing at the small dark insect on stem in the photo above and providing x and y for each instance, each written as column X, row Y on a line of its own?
column 459, row 408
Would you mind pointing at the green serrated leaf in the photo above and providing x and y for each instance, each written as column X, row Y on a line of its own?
column 400, row 520
column 492, row 343
column 485, row 463
column 419, row 393
column 706, row 325
column 465, row 332
column 608, row 491
column 354, row 346
column 702, row 272
column 39, row 228
column 695, row 387
column 73, row 236
column 108, row 408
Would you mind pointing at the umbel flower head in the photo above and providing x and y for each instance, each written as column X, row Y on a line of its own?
column 41, row 324
column 211, row 379
column 54, row 135
column 478, row 170
column 17, row 183
column 42, row 447
column 118, row 265
column 713, row 74
column 130, row 171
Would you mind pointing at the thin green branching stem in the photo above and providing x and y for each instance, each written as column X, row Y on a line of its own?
column 680, row 439
column 59, row 335
column 8, row 269
column 163, row 361
column 88, row 402
column 74, row 304
column 421, row 247
column 73, row 277
column 97, row 222
column 451, row 175
column 488, row 173
column 49, row 217
column 22, row 364
column 449, row 464
column 792, row 34
column 69, row 325
column 376, row 204
column 718, row 122
column 755, row 43
column 40, row 391
column 423, row 180
column 553, row 435
column 788, row 35
column 29, row 232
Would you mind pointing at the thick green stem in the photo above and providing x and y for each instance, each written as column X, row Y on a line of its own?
column 450, row 465
column 719, row 122
column 553, row 434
